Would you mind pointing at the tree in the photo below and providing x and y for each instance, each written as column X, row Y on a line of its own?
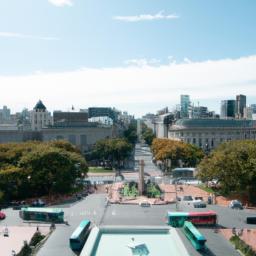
column 131, row 133
column 36, row 168
column 147, row 134
column 233, row 165
column 176, row 151
column 114, row 150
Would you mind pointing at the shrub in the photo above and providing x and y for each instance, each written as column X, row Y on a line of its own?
column 37, row 237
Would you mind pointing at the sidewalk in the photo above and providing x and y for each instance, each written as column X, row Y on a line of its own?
column 16, row 238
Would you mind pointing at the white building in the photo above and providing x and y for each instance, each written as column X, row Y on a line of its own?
column 40, row 117
column 209, row 133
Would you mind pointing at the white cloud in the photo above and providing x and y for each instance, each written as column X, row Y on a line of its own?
column 61, row 2
column 142, row 62
column 147, row 17
column 138, row 89
column 25, row 36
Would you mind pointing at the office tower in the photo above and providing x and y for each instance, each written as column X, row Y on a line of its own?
column 228, row 109
column 184, row 106
column 253, row 107
column 240, row 105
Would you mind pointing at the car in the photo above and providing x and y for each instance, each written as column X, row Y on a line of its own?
column 251, row 220
column 38, row 203
column 17, row 205
column 145, row 203
column 178, row 198
column 187, row 198
column 200, row 198
column 199, row 204
column 2, row 215
column 236, row 204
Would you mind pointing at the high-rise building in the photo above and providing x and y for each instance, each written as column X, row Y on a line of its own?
column 184, row 106
column 5, row 114
column 253, row 107
column 228, row 109
column 240, row 105
column 248, row 113
column 198, row 112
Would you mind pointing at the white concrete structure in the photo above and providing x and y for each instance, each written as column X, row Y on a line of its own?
column 209, row 133
column 40, row 117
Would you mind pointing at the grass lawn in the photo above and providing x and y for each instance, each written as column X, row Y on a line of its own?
column 98, row 169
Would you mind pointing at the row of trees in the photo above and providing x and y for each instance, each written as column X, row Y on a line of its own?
column 176, row 153
column 38, row 168
column 113, row 151
column 233, row 165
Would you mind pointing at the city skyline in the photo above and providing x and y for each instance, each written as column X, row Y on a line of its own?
column 134, row 56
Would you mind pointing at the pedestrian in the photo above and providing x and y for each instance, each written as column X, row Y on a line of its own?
column 13, row 253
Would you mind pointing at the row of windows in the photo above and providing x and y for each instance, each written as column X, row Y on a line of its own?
column 227, row 134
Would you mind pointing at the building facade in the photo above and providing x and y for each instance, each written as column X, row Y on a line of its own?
column 228, row 109
column 240, row 105
column 184, row 106
column 209, row 133
column 39, row 117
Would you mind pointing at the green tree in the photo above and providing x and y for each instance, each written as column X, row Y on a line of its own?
column 233, row 164
column 36, row 168
column 148, row 135
column 131, row 133
column 114, row 150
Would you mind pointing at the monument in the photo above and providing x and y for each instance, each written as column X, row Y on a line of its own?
column 141, row 177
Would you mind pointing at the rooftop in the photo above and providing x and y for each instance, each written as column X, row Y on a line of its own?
column 194, row 123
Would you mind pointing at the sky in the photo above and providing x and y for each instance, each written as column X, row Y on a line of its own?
column 136, row 55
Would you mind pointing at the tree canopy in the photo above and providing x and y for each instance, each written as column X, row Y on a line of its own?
column 113, row 150
column 233, row 165
column 147, row 134
column 130, row 134
column 176, row 151
column 37, row 168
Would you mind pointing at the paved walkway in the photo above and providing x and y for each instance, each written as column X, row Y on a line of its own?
column 16, row 238
column 248, row 236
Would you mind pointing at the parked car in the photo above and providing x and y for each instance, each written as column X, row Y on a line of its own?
column 17, row 205
column 199, row 204
column 200, row 198
column 251, row 220
column 145, row 203
column 178, row 198
column 38, row 203
column 187, row 198
column 236, row 204
column 2, row 215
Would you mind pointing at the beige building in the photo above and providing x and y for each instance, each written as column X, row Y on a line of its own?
column 209, row 133
column 39, row 117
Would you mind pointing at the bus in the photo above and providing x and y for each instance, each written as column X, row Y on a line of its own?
column 177, row 219
column 79, row 236
column 194, row 236
column 52, row 215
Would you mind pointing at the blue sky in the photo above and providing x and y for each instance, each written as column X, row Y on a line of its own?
column 48, row 40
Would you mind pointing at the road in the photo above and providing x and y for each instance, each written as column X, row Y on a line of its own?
column 91, row 208
column 143, row 152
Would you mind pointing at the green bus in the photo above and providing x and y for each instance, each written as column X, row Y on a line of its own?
column 194, row 236
column 51, row 215
column 79, row 236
